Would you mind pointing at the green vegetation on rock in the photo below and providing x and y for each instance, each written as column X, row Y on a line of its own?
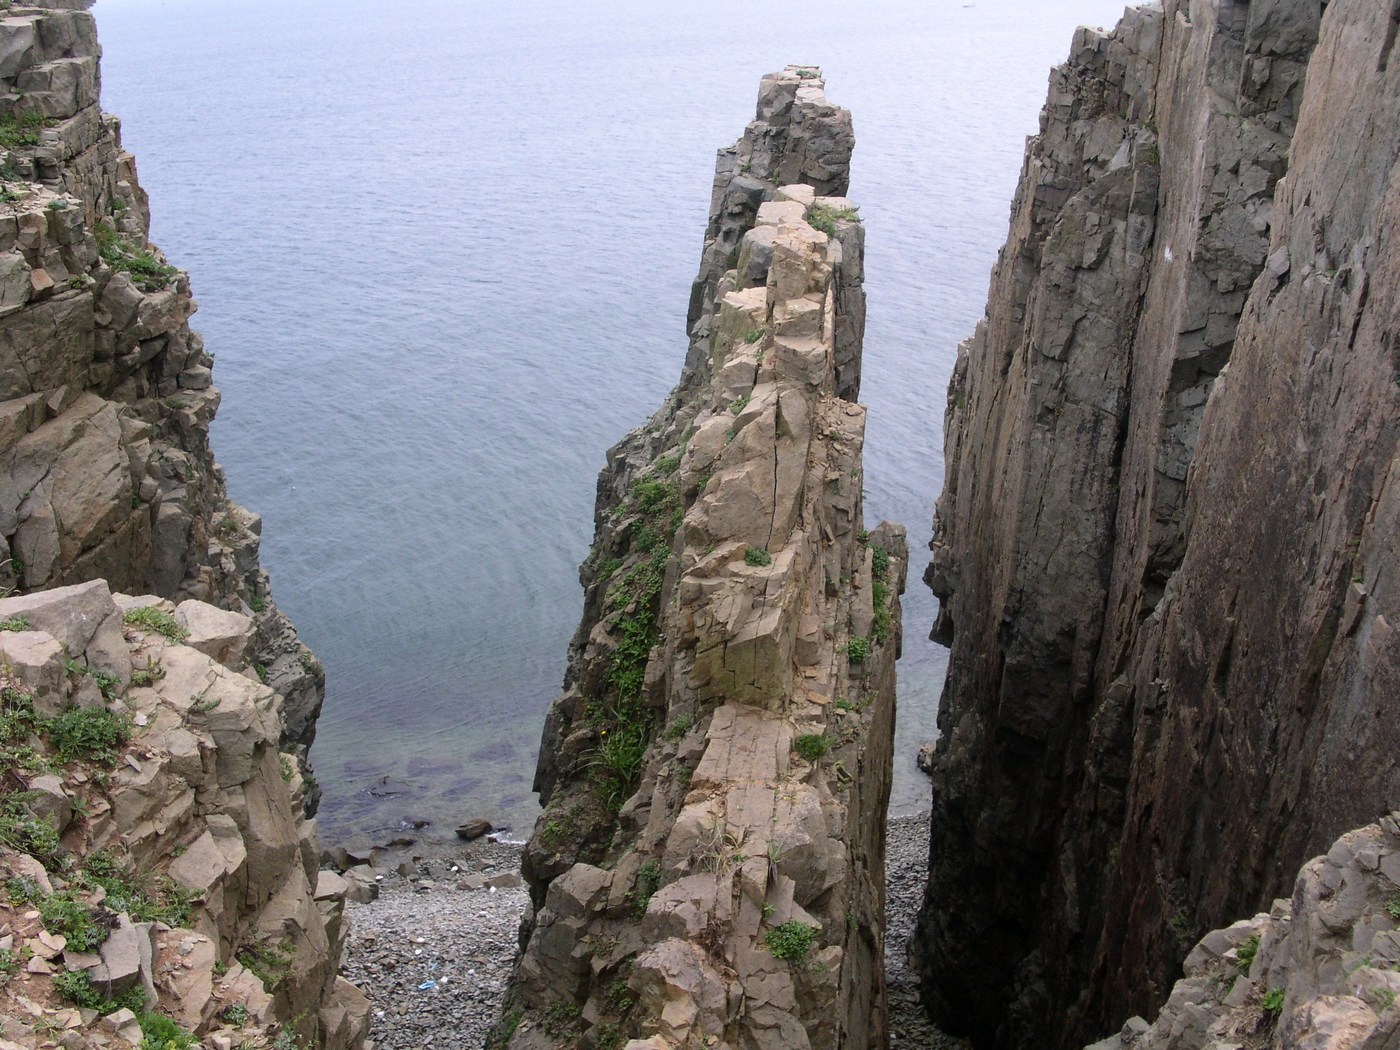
column 812, row 746
column 824, row 217
column 858, row 649
column 146, row 271
column 150, row 618
column 791, row 941
column 21, row 129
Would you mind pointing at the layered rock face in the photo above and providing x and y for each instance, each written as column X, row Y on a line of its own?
column 1320, row 970
column 1166, row 548
column 708, row 868
column 105, row 395
column 156, row 857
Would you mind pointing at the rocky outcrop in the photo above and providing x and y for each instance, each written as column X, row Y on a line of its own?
column 708, row 868
column 1319, row 971
column 105, row 392
column 1166, row 547
column 158, row 866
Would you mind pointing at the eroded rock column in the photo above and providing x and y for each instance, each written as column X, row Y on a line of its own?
column 708, row 870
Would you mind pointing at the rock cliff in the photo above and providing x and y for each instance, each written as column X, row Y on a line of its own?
column 1319, row 970
column 708, row 868
column 160, row 875
column 160, row 882
column 1166, row 547
column 105, row 392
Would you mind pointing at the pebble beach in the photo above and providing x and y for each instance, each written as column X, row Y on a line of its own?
column 435, row 950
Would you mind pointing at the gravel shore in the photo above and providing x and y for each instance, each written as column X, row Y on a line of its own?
column 434, row 958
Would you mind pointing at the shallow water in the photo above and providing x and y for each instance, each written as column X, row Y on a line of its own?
column 443, row 255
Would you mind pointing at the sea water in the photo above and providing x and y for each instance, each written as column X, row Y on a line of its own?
column 443, row 255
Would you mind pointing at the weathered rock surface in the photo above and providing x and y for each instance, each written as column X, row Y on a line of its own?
column 1318, row 972
column 708, row 868
column 1166, row 547
column 105, row 395
column 178, row 830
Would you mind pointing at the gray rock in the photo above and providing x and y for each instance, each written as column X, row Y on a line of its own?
column 473, row 829
column 50, row 802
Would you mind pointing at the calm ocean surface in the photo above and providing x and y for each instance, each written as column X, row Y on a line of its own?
column 443, row 253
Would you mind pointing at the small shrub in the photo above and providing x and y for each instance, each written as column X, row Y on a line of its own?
column 648, row 882
column 146, row 898
column 791, row 941
column 146, row 271
column 1245, row 953
column 88, row 734
column 161, row 1033
column 257, row 603
column 14, row 623
column 858, row 649
column 153, row 672
column 812, row 746
column 619, row 998
column 552, row 833
column 149, row 618
column 83, row 927
column 269, row 963
column 879, row 562
column 824, row 217
column 9, row 964
column 21, row 830
column 560, row 1018
column 618, row 763
column 739, row 404
column 21, row 129
column 235, row 1014
column 23, row 889
column 754, row 336
column 880, row 600
column 757, row 557
column 77, row 988
column 1273, row 1002
column 1392, row 908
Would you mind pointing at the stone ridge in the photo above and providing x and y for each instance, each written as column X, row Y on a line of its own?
column 189, row 805
column 105, row 392
column 1166, row 545
column 708, row 869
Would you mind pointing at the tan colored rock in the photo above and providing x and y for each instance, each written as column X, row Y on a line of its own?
column 35, row 662
column 83, row 618
column 49, row 801
column 223, row 636
column 722, row 832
